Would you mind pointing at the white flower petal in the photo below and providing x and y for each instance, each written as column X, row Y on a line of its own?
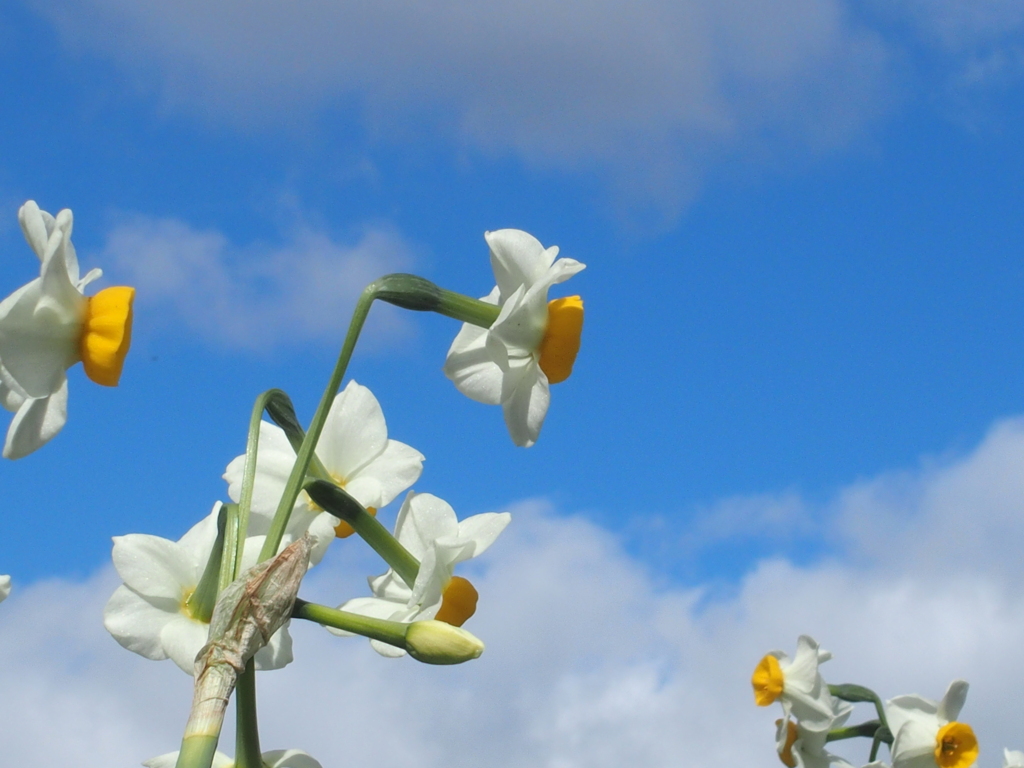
column 220, row 760
column 902, row 709
column 289, row 758
column 527, row 405
column 380, row 481
column 322, row 530
column 914, row 746
column 434, row 573
column 35, row 226
column 182, row 638
column 389, row 651
column 390, row 586
column 472, row 368
column 517, row 258
column 953, row 701
column 422, row 519
column 5, row 587
column 278, row 652
column 198, row 541
column 153, row 566
column 483, row 529
column 36, row 422
column 36, row 345
column 11, row 393
column 274, row 461
column 136, row 623
column 355, row 432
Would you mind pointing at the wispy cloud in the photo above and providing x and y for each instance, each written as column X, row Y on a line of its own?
column 654, row 91
column 589, row 662
column 251, row 295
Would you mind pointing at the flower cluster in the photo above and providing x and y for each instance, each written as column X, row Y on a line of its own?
column 920, row 732
column 218, row 600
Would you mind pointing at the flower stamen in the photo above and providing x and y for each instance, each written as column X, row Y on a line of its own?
column 956, row 746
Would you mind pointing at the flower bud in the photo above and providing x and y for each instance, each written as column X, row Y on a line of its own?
column 434, row 642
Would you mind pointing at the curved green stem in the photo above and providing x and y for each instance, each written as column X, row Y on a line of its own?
column 339, row 503
column 868, row 729
column 201, row 602
column 883, row 734
column 852, row 692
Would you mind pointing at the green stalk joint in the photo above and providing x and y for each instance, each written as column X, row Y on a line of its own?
column 339, row 503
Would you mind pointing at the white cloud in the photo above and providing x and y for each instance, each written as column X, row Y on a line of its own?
column 589, row 662
column 253, row 295
column 654, row 89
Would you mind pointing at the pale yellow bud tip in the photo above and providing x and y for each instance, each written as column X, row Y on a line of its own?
column 435, row 642
column 107, row 334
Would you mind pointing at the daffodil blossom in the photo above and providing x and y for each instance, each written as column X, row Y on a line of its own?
column 926, row 733
column 531, row 344
column 5, row 587
column 48, row 325
column 1013, row 758
column 801, row 747
column 278, row 758
column 797, row 683
column 149, row 614
column 428, row 528
column 354, row 449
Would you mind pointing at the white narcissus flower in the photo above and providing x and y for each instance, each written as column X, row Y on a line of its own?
column 354, row 449
column 278, row 758
column 428, row 528
column 5, row 587
column 532, row 343
column 48, row 325
column 1013, row 758
column 926, row 733
column 149, row 614
column 802, row 747
column 797, row 683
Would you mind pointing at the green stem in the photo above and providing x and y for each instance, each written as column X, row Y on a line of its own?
column 883, row 734
column 265, row 401
column 390, row 632
column 305, row 452
column 200, row 603
column 339, row 503
column 467, row 309
column 231, row 544
column 852, row 692
column 420, row 295
column 247, row 735
column 406, row 291
column 868, row 729
column 197, row 752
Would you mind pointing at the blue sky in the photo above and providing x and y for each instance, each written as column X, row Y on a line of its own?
column 796, row 408
column 803, row 271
